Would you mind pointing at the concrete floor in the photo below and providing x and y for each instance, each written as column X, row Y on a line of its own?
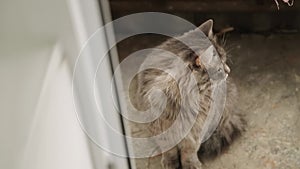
column 267, row 72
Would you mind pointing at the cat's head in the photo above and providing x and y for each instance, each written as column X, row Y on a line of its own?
column 211, row 59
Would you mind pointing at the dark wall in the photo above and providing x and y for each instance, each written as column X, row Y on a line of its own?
column 244, row 16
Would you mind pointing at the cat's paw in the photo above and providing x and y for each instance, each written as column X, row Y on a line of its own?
column 194, row 165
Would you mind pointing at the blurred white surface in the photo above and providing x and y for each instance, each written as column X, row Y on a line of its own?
column 38, row 125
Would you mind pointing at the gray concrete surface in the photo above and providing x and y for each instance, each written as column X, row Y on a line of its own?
column 267, row 72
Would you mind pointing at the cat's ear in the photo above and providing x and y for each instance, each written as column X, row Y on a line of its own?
column 205, row 58
column 207, row 28
column 195, row 61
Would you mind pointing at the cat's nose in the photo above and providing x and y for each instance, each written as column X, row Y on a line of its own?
column 227, row 69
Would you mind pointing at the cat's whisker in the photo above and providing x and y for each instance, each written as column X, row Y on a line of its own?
column 231, row 45
column 224, row 39
column 229, row 59
column 230, row 50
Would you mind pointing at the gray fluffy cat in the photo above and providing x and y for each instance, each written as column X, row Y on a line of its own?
column 184, row 154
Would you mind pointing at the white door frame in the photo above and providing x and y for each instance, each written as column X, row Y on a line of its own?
column 87, row 16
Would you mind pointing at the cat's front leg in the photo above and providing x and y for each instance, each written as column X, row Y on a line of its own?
column 188, row 152
column 170, row 159
column 190, row 161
